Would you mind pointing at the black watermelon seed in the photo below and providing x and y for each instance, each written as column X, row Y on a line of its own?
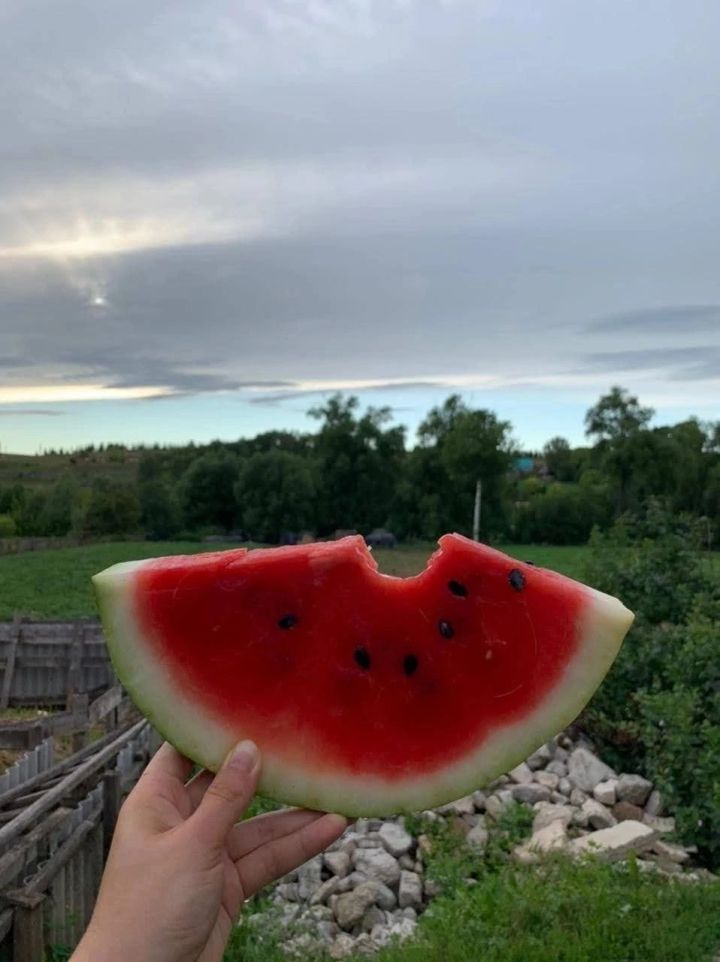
column 458, row 588
column 362, row 657
column 446, row 629
column 516, row 579
column 531, row 563
column 410, row 664
column 287, row 622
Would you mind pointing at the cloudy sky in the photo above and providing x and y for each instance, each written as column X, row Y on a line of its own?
column 212, row 213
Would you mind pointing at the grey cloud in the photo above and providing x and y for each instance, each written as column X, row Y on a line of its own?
column 444, row 188
column 684, row 363
column 314, row 392
column 683, row 319
column 31, row 412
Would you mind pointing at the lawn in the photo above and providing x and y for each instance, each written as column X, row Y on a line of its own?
column 56, row 583
column 560, row 911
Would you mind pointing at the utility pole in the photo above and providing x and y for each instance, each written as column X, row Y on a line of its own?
column 476, row 512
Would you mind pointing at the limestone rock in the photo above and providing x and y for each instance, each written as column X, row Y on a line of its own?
column 478, row 798
column 396, row 839
column 550, row 838
column 577, row 797
column 654, row 804
column 597, row 815
column 338, row 863
column 378, row 864
column 586, row 769
column 606, row 792
column 546, row 813
column 461, row 806
column 477, row 837
column 557, row 767
column 673, row 853
column 626, row 811
column 350, row 908
column 432, row 888
column 410, row 890
column 612, row 844
column 403, row 929
column 633, row 788
column 372, row 917
column 663, row 826
column 384, row 896
column 342, row 947
column 548, row 779
column 540, row 758
column 325, row 890
column 495, row 806
column 565, row 786
column 531, row 793
column 425, row 845
column 521, row 774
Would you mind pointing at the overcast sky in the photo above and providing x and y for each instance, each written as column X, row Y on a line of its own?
column 211, row 212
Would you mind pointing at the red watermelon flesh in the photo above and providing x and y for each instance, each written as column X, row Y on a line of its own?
column 366, row 693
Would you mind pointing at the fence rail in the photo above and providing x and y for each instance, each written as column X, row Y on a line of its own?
column 44, row 662
column 55, row 830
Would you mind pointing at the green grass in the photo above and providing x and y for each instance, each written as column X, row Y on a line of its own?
column 559, row 911
column 56, row 583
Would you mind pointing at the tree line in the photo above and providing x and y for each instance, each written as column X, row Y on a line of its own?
column 357, row 472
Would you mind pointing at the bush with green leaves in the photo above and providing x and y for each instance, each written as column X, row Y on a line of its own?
column 658, row 710
column 561, row 514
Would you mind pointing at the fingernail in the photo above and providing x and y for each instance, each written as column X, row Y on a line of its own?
column 244, row 756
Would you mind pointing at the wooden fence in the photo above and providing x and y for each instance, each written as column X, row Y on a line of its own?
column 46, row 662
column 79, row 717
column 56, row 824
column 20, row 545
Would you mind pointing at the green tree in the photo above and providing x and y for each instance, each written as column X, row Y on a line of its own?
column 276, row 493
column 618, row 424
column 559, row 459
column 28, row 513
column 159, row 509
column 59, row 509
column 8, row 528
column 113, row 508
column 359, row 462
column 207, row 494
column 616, row 416
column 459, row 447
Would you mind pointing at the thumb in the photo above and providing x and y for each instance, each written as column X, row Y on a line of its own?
column 228, row 795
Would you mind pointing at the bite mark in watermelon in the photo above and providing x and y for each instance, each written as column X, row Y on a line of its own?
column 367, row 694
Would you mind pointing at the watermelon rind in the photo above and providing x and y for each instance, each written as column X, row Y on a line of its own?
column 200, row 736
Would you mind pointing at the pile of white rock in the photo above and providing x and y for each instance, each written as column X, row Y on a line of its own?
column 370, row 886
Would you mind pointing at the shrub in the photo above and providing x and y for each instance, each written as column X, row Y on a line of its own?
column 560, row 514
column 658, row 710
column 7, row 526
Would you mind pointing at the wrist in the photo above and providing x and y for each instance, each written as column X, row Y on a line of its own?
column 98, row 947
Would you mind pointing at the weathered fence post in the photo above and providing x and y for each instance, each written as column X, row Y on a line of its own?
column 112, row 796
column 28, row 930
column 75, row 670
column 10, row 670
column 77, row 705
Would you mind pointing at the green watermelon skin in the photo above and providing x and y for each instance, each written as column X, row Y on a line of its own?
column 367, row 695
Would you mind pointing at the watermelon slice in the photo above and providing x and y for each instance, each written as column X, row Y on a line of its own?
column 367, row 694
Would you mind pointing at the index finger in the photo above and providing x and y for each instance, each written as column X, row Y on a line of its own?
column 167, row 765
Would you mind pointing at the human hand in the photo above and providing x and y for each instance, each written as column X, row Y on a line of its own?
column 180, row 867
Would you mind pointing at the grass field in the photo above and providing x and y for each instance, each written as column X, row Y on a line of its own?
column 56, row 583
column 558, row 912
